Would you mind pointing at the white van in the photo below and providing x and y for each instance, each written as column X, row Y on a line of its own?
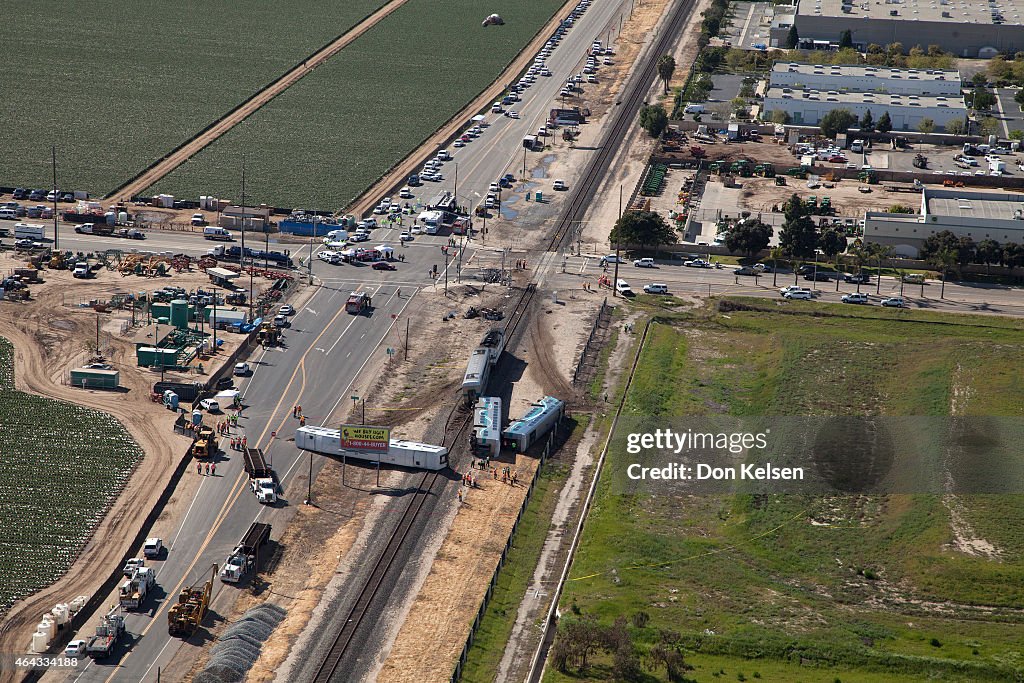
column 336, row 236
column 693, row 109
column 622, row 287
column 28, row 231
column 8, row 214
column 214, row 232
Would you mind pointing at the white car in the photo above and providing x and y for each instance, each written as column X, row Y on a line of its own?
column 444, row 155
column 792, row 288
column 894, row 302
column 612, row 258
column 405, row 193
column 242, row 369
column 697, row 263
column 380, row 209
column 559, row 185
column 416, row 230
column 280, row 321
column 797, row 294
column 458, row 143
column 75, row 649
column 591, row 79
column 153, row 547
column 656, row 288
column 287, row 310
column 405, row 237
column 326, row 255
column 644, row 263
column 513, row 114
column 545, row 72
column 493, row 187
column 210, row 404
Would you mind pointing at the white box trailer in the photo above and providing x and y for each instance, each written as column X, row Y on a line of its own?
column 400, row 452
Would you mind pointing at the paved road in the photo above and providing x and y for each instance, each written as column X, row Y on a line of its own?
column 324, row 350
column 499, row 149
column 966, row 297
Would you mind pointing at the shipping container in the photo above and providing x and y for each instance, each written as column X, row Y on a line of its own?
column 89, row 378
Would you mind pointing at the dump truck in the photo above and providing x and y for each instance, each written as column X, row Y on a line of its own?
column 134, row 590
column 261, row 477
column 246, row 555
column 186, row 615
column 205, row 444
column 107, row 634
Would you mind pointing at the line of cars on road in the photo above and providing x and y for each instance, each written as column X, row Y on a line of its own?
column 797, row 292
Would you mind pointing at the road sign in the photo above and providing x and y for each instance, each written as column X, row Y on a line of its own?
column 365, row 439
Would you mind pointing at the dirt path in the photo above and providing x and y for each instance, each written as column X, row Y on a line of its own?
column 47, row 338
column 177, row 157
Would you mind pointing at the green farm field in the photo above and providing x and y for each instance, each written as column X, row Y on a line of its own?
column 334, row 133
column 797, row 588
column 116, row 84
column 61, row 466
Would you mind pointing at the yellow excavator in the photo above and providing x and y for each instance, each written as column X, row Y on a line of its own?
column 185, row 616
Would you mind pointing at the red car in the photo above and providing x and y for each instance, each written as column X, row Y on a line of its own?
column 383, row 265
column 837, row 159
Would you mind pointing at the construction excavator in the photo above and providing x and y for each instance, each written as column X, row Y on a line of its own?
column 185, row 616
column 205, row 444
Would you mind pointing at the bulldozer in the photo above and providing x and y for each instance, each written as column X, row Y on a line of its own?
column 185, row 616
column 205, row 444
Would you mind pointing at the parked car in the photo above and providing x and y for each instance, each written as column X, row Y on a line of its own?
column 405, row 237
column 656, row 288
column 820, row 276
column 280, row 321
column 612, row 258
column 153, row 548
column 855, row 298
column 242, row 369
column 857, row 278
column 792, row 288
column 383, row 265
column 746, row 270
column 894, row 302
column 697, row 263
column 559, row 185
column 797, row 294
column 210, row 405
column 644, row 263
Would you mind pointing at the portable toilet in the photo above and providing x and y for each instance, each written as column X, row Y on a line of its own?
column 197, row 417
column 171, row 400
column 540, row 196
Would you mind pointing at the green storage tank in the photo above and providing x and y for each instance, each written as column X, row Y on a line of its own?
column 95, row 379
column 179, row 314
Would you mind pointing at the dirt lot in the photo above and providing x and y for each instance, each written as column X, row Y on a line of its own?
column 51, row 334
column 761, row 194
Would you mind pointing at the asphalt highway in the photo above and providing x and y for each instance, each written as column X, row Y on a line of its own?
column 688, row 281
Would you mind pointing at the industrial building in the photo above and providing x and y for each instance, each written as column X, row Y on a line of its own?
column 866, row 78
column 962, row 27
column 976, row 214
column 809, row 91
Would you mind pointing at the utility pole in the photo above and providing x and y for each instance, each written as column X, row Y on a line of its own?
column 53, row 157
column 309, row 481
column 309, row 263
column 615, row 290
column 241, row 257
column 97, row 334
column 214, row 325
column 407, row 338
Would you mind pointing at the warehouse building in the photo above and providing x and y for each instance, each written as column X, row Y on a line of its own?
column 859, row 78
column 809, row 91
column 963, row 27
column 976, row 214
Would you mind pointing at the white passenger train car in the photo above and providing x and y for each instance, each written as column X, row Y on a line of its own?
column 538, row 421
column 485, row 439
column 477, row 371
column 400, row 452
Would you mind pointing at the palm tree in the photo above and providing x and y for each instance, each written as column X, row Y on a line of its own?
column 881, row 251
column 860, row 255
column 776, row 253
column 945, row 260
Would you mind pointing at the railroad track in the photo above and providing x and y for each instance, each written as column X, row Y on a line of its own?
column 456, row 424
column 611, row 141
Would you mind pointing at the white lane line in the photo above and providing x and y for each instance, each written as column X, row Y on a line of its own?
column 170, row 544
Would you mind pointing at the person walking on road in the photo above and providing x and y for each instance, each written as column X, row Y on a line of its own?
column 213, row 468
column 199, row 468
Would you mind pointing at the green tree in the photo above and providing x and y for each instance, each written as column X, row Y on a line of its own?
column 989, row 252
column 867, row 122
column 940, row 241
column 894, row 49
column 875, row 49
column 653, row 119
column 1019, row 98
column 988, row 126
column 935, row 51
column 836, row 121
column 666, row 67
column 792, row 38
column 643, row 228
column 943, row 261
column 955, row 127
column 748, row 237
column 799, row 237
column 1013, row 254
column 780, row 116
column 979, row 79
column 916, row 51
column 884, row 124
column 982, row 99
column 846, row 39
column 794, row 207
column 926, row 125
column 1016, row 135
column 832, row 242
